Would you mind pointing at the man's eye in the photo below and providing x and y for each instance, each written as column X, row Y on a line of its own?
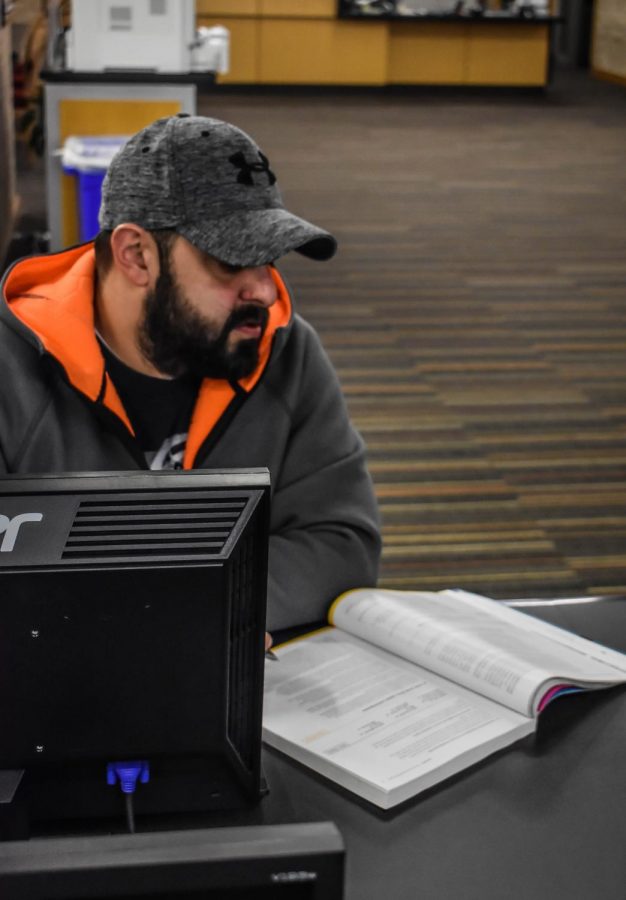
column 230, row 270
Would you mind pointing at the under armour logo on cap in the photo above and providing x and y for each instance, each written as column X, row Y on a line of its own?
column 246, row 169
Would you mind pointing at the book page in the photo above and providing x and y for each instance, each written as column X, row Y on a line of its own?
column 374, row 722
column 497, row 651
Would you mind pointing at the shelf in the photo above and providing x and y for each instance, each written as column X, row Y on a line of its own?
column 127, row 76
column 452, row 18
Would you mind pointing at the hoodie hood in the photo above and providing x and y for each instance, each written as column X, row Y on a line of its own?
column 52, row 297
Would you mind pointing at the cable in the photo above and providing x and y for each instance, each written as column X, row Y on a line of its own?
column 130, row 813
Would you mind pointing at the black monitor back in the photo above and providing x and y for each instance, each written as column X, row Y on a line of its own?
column 132, row 618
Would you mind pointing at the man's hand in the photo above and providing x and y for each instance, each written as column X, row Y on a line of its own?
column 268, row 641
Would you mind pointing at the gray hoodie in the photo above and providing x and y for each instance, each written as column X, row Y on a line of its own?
column 60, row 413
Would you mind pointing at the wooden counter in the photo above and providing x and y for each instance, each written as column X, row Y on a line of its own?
column 285, row 42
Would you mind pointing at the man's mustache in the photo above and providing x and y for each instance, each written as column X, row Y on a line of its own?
column 251, row 314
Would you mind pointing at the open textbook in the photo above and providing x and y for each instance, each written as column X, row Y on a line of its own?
column 404, row 689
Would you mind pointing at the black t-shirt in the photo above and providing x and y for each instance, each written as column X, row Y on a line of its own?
column 159, row 410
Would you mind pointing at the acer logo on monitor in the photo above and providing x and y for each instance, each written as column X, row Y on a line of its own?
column 9, row 528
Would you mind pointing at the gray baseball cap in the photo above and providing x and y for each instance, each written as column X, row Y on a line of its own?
column 208, row 181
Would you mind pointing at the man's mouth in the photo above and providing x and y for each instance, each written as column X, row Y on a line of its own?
column 250, row 325
column 249, row 330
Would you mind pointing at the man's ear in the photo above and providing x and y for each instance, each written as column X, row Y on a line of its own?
column 135, row 254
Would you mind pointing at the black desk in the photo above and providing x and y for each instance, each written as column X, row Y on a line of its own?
column 543, row 820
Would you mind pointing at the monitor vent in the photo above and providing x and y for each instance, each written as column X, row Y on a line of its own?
column 143, row 529
column 244, row 650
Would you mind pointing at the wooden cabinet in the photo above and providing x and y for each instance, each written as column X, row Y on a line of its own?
column 226, row 8
column 515, row 55
column 291, row 42
column 299, row 9
column 426, row 53
column 472, row 53
column 321, row 51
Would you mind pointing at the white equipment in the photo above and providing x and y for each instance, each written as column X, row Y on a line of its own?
column 143, row 35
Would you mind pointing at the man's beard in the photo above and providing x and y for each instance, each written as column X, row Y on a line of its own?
column 178, row 340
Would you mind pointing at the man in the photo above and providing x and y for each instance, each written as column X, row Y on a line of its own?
column 172, row 343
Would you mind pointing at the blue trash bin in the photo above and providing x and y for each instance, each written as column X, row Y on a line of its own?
column 88, row 158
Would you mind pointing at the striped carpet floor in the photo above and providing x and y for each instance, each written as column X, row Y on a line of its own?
column 476, row 314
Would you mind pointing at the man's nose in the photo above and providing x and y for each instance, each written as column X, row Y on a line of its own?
column 259, row 286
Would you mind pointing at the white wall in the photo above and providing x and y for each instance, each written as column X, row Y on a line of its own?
column 609, row 42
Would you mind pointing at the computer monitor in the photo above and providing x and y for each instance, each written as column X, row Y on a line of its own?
column 266, row 862
column 132, row 620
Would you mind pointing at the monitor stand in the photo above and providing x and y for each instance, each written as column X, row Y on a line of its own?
column 13, row 815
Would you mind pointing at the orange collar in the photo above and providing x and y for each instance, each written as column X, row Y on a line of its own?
column 55, row 300
column 53, row 296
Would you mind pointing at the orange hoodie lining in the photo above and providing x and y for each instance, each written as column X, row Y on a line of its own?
column 111, row 399
column 69, row 335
